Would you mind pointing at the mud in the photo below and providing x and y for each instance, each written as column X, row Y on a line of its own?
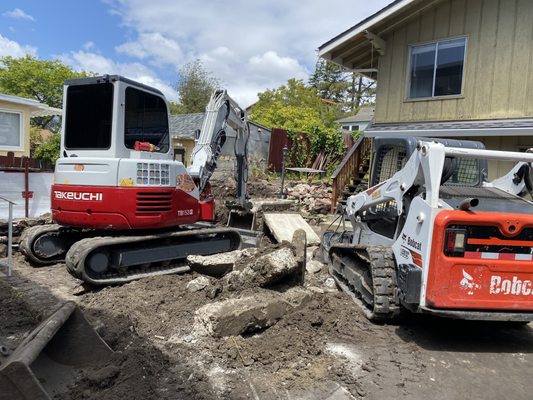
column 324, row 348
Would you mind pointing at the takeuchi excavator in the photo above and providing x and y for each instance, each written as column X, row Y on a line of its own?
column 123, row 207
column 433, row 235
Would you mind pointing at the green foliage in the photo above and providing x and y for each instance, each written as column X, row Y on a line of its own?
column 349, row 90
column 195, row 86
column 298, row 109
column 329, row 81
column 50, row 150
column 41, row 80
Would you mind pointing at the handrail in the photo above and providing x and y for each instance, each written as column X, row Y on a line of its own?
column 9, row 201
column 349, row 165
column 348, row 155
column 9, row 237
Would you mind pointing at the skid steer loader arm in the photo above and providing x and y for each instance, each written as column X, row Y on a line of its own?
column 45, row 363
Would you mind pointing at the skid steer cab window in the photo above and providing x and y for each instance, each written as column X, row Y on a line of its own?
column 88, row 121
column 146, row 120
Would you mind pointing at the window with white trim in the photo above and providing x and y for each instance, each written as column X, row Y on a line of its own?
column 436, row 69
column 10, row 129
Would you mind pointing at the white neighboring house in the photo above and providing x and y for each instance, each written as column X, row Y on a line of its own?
column 357, row 122
column 15, row 115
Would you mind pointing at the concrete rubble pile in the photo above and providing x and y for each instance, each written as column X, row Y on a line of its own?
column 315, row 198
column 266, row 284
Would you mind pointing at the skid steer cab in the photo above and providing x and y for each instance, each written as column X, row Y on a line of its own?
column 433, row 235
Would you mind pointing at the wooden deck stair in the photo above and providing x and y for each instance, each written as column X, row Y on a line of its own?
column 349, row 177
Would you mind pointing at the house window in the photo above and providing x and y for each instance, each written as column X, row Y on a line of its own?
column 10, row 129
column 436, row 69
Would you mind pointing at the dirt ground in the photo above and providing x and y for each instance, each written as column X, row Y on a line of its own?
column 325, row 349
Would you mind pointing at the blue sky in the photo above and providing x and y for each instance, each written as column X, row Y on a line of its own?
column 250, row 46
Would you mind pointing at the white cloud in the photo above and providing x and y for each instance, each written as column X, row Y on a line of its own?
column 92, row 62
column 89, row 45
column 17, row 13
column 154, row 45
column 249, row 45
column 14, row 49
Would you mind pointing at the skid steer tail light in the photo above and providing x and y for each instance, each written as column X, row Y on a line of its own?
column 455, row 240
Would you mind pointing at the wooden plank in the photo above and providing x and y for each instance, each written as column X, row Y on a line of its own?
column 396, row 91
column 457, row 18
column 383, row 90
column 472, row 30
column 501, row 73
column 486, row 59
column 520, row 104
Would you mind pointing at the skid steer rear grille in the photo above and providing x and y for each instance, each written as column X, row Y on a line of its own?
column 153, row 202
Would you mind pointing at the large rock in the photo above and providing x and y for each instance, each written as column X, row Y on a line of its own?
column 266, row 270
column 248, row 314
column 198, row 284
column 217, row 265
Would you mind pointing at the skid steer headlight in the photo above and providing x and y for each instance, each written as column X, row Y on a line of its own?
column 454, row 242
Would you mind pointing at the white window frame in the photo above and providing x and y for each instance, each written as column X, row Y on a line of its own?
column 21, row 131
column 433, row 97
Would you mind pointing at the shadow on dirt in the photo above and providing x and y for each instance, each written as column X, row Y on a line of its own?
column 441, row 334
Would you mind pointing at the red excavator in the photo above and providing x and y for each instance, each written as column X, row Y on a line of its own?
column 123, row 207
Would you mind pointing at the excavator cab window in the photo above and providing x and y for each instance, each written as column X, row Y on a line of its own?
column 89, row 111
column 146, row 120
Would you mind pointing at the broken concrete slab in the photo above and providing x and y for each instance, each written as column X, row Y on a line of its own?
column 217, row 265
column 314, row 266
column 283, row 225
column 299, row 242
column 198, row 284
column 248, row 314
column 275, row 266
column 265, row 271
column 264, row 205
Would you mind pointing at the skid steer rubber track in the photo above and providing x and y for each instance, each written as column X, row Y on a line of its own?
column 368, row 275
column 49, row 358
column 48, row 244
column 115, row 260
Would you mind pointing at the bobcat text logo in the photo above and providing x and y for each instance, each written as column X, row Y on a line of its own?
column 77, row 196
column 413, row 243
column 515, row 286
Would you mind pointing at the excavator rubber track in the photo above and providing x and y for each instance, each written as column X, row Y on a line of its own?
column 48, row 244
column 114, row 260
column 368, row 275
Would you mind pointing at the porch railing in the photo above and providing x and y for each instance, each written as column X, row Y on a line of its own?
column 349, row 167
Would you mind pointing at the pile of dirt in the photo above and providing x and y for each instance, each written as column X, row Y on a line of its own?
column 291, row 354
column 16, row 317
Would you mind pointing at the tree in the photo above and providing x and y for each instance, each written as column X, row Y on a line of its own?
column 361, row 91
column 41, row 80
column 330, row 81
column 49, row 151
column 297, row 108
column 195, row 86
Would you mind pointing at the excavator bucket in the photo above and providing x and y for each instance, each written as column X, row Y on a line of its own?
column 45, row 363
column 241, row 219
